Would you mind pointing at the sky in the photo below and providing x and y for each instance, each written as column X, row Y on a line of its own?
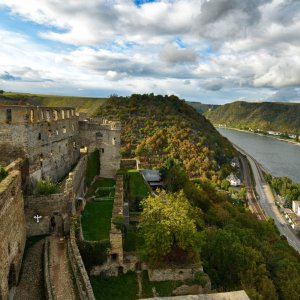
column 211, row 51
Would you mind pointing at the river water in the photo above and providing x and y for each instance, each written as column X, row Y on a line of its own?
column 278, row 157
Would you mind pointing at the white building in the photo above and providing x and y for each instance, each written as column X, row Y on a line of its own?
column 234, row 180
column 296, row 208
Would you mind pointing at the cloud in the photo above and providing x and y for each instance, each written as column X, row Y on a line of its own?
column 185, row 46
column 172, row 54
column 286, row 95
column 114, row 76
column 8, row 77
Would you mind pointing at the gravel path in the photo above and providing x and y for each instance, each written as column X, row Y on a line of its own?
column 31, row 285
column 60, row 274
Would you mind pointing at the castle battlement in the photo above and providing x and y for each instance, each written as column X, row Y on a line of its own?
column 26, row 114
column 50, row 138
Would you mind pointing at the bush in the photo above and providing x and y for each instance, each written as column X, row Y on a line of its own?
column 45, row 187
column 93, row 253
column 92, row 167
column 3, row 173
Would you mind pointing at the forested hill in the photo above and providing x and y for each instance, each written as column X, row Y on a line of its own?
column 157, row 127
column 283, row 117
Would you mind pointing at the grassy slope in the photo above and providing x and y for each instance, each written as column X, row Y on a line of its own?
column 83, row 104
column 283, row 117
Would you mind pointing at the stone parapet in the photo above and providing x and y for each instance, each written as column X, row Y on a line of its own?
column 175, row 273
column 116, row 236
column 81, row 277
column 49, row 289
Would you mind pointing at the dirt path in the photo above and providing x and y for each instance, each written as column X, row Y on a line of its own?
column 60, row 274
column 31, row 285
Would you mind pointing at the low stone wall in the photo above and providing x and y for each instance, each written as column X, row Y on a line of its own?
column 56, row 205
column 129, row 164
column 49, row 289
column 237, row 295
column 116, row 236
column 82, row 280
column 174, row 273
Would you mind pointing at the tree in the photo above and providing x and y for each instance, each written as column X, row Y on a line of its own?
column 168, row 228
column 1, row 92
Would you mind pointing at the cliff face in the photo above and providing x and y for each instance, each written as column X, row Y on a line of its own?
column 283, row 117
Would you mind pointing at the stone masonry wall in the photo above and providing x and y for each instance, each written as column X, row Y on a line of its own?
column 45, row 136
column 61, row 206
column 12, row 233
column 176, row 273
column 81, row 277
column 104, row 135
column 116, row 237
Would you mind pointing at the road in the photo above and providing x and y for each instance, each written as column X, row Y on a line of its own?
column 267, row 202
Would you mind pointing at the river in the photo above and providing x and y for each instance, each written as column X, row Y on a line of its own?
column 278, row 157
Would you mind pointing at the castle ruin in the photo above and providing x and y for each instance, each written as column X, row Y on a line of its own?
column 38, row 143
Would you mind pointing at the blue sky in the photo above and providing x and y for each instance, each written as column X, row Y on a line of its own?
column 201, row 50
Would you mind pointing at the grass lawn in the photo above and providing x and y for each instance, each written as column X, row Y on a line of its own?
column 101, row 182
column 132, row 240
column 96, row 219
column 163, row 288
column 137, row 185
column 137, row 189
column 123, row 287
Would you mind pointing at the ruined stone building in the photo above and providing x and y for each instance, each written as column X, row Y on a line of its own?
column 37, row 143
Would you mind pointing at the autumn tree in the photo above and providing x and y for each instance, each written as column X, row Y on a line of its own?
column 168, row 227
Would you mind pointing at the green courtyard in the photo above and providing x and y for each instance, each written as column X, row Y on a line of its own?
column 96, row 217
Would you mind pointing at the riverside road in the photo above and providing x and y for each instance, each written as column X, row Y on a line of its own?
column 267, row 202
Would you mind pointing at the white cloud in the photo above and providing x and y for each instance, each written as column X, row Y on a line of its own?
column 251, row 46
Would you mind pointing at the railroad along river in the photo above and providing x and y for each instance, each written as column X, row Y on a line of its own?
column 278, row 157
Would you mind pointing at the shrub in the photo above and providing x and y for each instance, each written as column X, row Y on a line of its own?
column 92, row 167
column 45, row 187
column 3, row 173
column 93, row 253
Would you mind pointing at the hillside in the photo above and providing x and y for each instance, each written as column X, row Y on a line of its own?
column 202, row 108
column 83, row 104
column 283, row 117
column 157, row 127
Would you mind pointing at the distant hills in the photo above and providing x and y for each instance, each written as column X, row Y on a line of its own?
column 282, row 117
column 202, row 108
column 83, row 104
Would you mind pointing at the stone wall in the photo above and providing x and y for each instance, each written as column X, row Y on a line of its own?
column 60, row 206
column 45, row 136
column 106, row 136
column 82, row 279
column 116, row 236
column 129, row 164
column 49, row 289
column 12, row 233
column 175, row 273
column 56, row 205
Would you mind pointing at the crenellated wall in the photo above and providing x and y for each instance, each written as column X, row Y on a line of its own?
column 46, row 137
